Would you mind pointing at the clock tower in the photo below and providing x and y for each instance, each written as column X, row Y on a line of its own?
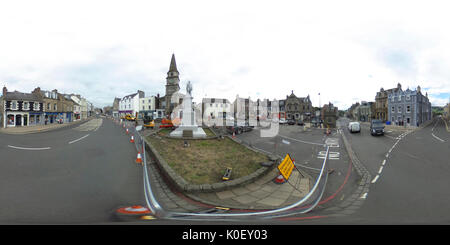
column 172, row 85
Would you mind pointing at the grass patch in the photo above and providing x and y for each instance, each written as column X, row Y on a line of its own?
column 205, row 161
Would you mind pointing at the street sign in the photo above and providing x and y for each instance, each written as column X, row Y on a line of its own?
column 286, row 167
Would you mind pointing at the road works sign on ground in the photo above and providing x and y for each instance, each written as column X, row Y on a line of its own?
column 286, row 167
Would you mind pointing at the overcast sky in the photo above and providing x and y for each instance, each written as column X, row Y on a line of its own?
column 344, row 50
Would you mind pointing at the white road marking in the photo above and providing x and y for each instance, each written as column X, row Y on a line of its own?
column 384, row 162
column 364, row 196
column 437, row 137
column 375, row 179
column 30, row 149
column 381, row 169
column 73, row 141
column 306, row 142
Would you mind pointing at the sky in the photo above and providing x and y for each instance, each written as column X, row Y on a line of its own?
column 344, row 50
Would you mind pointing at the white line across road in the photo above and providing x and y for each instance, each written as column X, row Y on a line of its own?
column 73, row 141
column 29, row 148
column 301, row 141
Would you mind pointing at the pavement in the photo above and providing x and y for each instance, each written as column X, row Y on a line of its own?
column 39, row 128
column 262, row 194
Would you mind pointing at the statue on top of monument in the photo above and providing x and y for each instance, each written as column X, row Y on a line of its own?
column 189, row 88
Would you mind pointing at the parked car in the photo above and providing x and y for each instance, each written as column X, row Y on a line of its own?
column 291, row 121
column 376, row 127
column 354, row 127
column 300, row 122
column 282, row 121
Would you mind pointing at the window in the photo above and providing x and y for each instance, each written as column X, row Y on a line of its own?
column 14, row 105
column 408, row 97
column 393, row 109
column 149, row 107
column 143, row 107
column 36, row 106
column 400, row 98
column 399, row 109
column 392, row 98
column 408, row 109
column 48, row 106
column 54, row 107
column 26, row 106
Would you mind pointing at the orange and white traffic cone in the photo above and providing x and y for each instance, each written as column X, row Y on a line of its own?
column 139, row 158
column 280, row 179
column 132, row 139
column 234, row 136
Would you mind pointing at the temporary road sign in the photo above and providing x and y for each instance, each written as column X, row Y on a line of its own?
column 286, row 167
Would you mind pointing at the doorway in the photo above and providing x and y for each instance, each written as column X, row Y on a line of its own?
column 18, row 120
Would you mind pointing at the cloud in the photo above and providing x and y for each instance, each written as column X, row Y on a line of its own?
column 106, row 49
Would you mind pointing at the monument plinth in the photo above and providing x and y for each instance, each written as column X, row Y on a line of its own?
column 188, row 123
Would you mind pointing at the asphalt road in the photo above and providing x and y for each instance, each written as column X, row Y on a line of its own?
column 79, row 180
column 413, row 185
column 82, row 174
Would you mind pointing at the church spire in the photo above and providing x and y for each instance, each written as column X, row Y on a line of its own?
column 173, row 64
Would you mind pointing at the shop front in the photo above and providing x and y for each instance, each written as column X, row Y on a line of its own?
column 17, row 119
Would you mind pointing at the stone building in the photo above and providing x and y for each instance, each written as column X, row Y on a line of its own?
column 381, row 102
column 20, row 109
column 409, row 107
column 329, row 115
column 447, row 111
column 298, row 108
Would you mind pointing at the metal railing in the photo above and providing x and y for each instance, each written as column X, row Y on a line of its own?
column 306, row 204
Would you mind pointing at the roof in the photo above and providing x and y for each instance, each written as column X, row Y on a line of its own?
column 22, row 96
column 129, row 96
column 173, row 64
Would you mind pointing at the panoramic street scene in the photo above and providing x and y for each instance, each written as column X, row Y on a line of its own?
column 224, row 113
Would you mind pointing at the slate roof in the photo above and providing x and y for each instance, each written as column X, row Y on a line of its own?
column 22, row 96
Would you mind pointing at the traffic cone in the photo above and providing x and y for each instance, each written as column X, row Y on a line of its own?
column 234, row 136
column 139, row 158
column 127, row 130
column 280, row 179
column 132, row 139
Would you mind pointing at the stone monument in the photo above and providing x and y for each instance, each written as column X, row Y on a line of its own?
column 188, row 126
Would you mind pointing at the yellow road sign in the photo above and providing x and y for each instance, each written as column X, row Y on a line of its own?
column 286, row 167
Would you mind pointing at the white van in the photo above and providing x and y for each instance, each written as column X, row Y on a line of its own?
column 354, row 127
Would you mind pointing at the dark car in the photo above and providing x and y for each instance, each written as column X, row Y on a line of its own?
column 300, row 122
column 376, row 127
column 291, row 121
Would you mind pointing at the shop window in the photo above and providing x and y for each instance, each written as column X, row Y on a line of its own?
column 11, row 120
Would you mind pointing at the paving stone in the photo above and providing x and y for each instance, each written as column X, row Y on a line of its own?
column 270, row 201
column 280, row 195
column 240, row 191
column 225, row 194
column 245, row 199
column 260, row 194
column 296, row 193
column 253, row 187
